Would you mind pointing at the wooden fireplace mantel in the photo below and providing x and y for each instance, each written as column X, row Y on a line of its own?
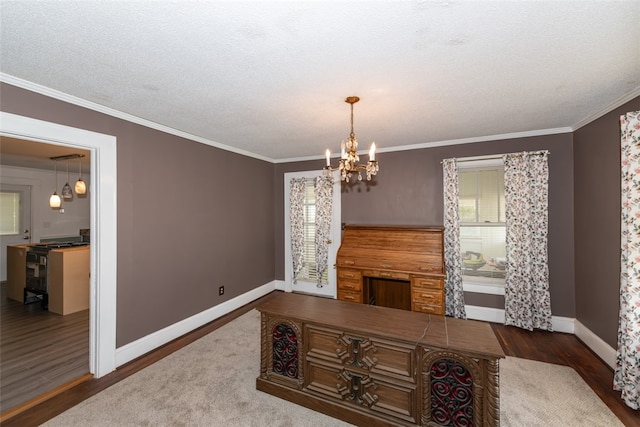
column 392, row 266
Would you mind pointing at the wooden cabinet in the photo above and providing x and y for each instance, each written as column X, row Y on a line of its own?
column 409, row 260
column 16, row 271
column 349, row 285
column 427, row 294
column 68, row 277
column 361, row 370
column 377, row 366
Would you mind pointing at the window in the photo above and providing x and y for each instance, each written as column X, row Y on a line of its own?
column 309, row 270
column 9, row 213
column 481, row 207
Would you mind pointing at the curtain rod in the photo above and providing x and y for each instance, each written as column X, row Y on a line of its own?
column 497, row 156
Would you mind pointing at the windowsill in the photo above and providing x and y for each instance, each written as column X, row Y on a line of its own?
column 480, row 285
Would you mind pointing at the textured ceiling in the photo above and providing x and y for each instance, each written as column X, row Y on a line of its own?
column 269, row 78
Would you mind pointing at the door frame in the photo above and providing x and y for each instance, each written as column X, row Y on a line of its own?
column 103, row 201
column 336, row 236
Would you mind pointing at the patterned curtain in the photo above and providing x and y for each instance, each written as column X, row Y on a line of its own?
column 627, row 371
column 527, row 298
column 454, row 296
column 324, row 195
column 296, row 217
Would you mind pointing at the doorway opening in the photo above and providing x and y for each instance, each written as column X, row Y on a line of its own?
column 307, row 283
column 103, row 198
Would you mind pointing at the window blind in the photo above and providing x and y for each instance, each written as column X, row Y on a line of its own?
column 309, row 270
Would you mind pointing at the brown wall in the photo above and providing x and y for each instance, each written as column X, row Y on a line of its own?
column 190, row 217
column 597, row 222
column 408, row 190
column 173, row 255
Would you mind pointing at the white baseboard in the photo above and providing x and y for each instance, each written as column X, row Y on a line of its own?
column 152, row 341
column 596, row 344
column 563, row 324
column 486, row 314
column 560, row 324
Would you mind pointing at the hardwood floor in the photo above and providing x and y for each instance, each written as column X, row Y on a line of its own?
column 39, row 350
column 558, row 348
column 567, row 350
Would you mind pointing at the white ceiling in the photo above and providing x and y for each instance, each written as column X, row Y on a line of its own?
column 269, row 78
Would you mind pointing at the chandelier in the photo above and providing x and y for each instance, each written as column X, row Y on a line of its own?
column 349, row 155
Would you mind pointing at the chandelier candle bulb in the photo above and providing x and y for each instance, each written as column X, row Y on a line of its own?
column 328, row 157
column 372, row 152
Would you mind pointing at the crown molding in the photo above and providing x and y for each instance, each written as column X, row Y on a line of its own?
column 52, row 93
column 612, row 106
column 443, row 143
column 514, row 135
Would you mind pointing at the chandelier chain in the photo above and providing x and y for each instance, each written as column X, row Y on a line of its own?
column 352, row 134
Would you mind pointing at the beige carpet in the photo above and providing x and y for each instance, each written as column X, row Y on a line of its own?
column 212, row 382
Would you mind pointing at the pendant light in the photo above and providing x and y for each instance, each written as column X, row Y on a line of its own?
column 55, row 201
column 67, row 194
column 80, row 187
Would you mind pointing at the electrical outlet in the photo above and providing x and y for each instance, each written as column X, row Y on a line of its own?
column 221, row 290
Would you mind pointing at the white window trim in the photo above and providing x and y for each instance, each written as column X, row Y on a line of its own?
column 482, row 288
column 480, row 162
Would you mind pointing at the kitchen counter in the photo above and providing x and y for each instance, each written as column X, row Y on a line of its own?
column 68, row 276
